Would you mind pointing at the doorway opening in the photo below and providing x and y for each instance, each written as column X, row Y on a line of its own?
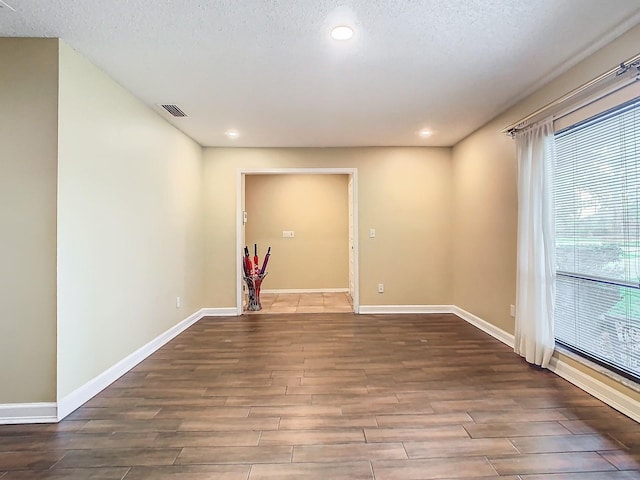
column 309, row 297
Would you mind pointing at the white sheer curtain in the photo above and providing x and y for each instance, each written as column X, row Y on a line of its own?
column 535, row 289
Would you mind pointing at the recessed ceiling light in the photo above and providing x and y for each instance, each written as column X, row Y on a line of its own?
column 425, row 133
column 342, row 32
column 232, row 134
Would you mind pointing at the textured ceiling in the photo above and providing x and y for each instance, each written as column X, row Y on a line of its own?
column 269, row 68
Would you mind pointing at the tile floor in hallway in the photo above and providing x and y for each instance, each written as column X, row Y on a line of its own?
column 334, row 302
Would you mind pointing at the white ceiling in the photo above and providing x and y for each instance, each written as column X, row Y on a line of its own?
column 269, row 68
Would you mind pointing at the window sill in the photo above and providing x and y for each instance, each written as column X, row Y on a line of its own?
column 599, row 368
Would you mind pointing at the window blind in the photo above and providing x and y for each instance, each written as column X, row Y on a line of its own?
column 597, row 212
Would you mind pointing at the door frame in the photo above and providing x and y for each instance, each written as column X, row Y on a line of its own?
column 240, row 197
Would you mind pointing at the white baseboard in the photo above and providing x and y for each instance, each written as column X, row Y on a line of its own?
column 13, row 413
column 612, row 397
column 94, row 386
column 399, row 309
column 603, row 392
column 495, row 332
column 218, row 312
column 305, row 290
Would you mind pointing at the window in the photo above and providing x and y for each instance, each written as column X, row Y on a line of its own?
column 597, row 211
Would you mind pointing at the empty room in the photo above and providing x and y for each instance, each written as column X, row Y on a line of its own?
column 364, row 240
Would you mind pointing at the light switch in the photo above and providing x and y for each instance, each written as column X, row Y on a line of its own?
column 372, row 233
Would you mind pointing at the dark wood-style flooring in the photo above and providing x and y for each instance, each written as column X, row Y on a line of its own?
column 331, row 397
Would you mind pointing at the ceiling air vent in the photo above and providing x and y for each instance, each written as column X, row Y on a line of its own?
column 174, row 110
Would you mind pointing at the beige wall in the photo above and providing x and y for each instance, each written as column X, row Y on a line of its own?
column 485, row 197
column 129, row 224
column 485, row 221
column 404, row 193
column 28, row 143
column 314, row 207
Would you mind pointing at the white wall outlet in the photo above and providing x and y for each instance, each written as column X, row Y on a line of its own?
column 287, row 234
column 381, row 288
column 372, row 233
column 512, row 310
column 178, row 302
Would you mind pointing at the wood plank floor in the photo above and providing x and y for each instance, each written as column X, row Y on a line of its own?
column 331, row 397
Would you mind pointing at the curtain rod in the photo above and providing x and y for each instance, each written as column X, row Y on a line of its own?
column 624, row 67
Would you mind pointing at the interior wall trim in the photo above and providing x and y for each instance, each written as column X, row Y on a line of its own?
column 497, row 333
column 218, row 312
column 612, row 397
column 19, row 413
column 402, row 309
column 304, row 290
